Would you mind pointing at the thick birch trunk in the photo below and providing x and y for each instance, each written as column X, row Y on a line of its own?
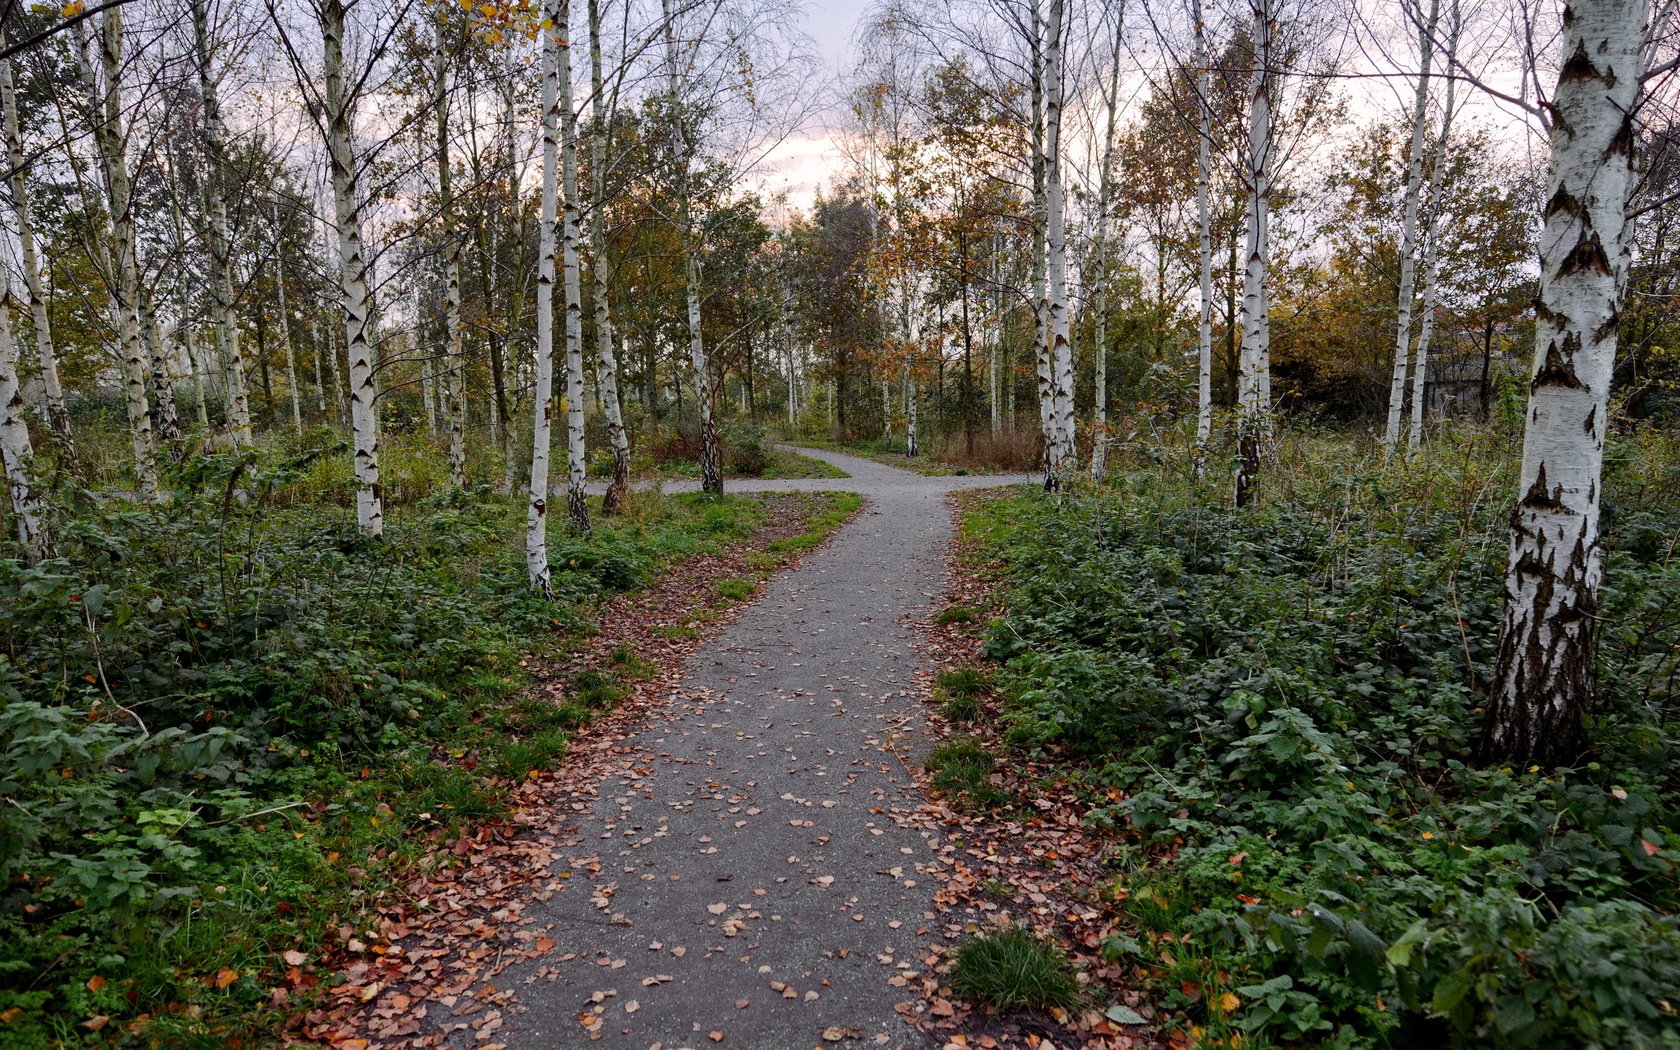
column 15, row 451
column 1060, row 460
column 455, row 365
column 221, row 256
column 353, row 277
column 1254, row 360
column 1408, row 233
column 1542, row 687
column 577, row 477
column 536, row 518
column 1204, row 246
column 52, row 390
column 1431, row 242
column 125, row 286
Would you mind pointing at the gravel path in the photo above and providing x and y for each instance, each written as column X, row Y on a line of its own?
column 759, row 846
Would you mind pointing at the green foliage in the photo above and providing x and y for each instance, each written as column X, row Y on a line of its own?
column 1285, row 699
column 962, row 769
column 956, row 614
column 208, row 707
column 736, row 590
column 961, row 689
column 1011, row 969
column 744, row 451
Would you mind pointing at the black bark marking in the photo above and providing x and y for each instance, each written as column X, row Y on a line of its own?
column 1578, row 66
column 1589, row 425
column 1558, row 368
column 1588, row 254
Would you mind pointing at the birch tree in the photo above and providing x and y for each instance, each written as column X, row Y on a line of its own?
column 1432, row 235
column 1059, row 437
column 1254, row 361
column 17, row 457
column 1099, row 252
column 1542, row 686
column 606, row 363
column 577, row 505
column 536, row 517
column 52, row 389
column 454, row 375
column 1414, row 189
column 1204, row 239
column 221, row 249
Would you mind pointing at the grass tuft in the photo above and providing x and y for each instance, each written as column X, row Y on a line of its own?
column 1011, row 969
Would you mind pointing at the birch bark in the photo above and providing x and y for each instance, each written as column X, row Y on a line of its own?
column 286, row 327
column 221, row 257
column 542, row 405
column 455, row 365
column 15, row 451
column 1099, row 284
column 111, row 143
column 1254, row 359
column 1542, row 687
column 1431, row 241
column 1408, row 231
column 577, row 505
column 52, row 389
column 1059, row 458
column 1204, row 244
column 606, row 364
column 355, row 290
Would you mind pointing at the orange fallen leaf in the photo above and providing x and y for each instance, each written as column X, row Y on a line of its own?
column 716, row 1037
column 95, row 983
column 544, row 943
column 10, row 1015
column 94, row 1024
column 1229, row 1002
column 225, row 977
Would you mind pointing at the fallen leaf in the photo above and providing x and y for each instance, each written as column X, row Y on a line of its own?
column 1120, row 1013
column 717, row 909
column 95, row 983
column 1229, row 1002
column 225, row 977
column 632, row 1006
column 716, row 1037
column 294, row 958
column 741, row 1004
column 810, row 995
column 11, row 1014
column 94, row 1024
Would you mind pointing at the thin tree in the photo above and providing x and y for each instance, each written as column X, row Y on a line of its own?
column 577, row 504
column 536, row 517
column 1409, row 229
column 454, row 378
column 1432, row 238
column 606, row 363
column 1254, row 361
column 17, row 457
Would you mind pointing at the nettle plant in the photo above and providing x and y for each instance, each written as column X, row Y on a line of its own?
column 1284, row 698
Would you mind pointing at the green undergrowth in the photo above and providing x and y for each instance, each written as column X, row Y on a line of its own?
column 1011, row 969
column 1285, row 700
column 228, row 722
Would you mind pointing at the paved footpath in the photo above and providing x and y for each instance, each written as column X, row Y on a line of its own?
column 752, row 883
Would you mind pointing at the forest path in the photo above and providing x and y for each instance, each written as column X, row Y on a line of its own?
column 751, row 839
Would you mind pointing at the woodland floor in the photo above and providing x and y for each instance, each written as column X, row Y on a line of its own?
column 741, row 854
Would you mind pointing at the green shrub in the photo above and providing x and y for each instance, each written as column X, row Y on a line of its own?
column 1013, row 970
column 962, row 768
column 957, row 614
column 744, row 450
column 736, row 590
column 1284, row 699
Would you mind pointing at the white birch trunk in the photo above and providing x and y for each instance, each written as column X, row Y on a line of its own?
column 606, row 364
column 1542, row 687
column 1040, row 252
column 286, row 329
column 1431, row 242
column 357, row 298
column 455, row 365
column 1099, row 284
column 165, row 417
column 1254, row 361
column 111, row 141
column 1408, row 232
column 15, row 451
column 1061, row 460
column 711, row 475
column 1204, row 244
column 577, row 504
column 221, row 256
column 542, row 405
column 320, row 368
column 52, row 390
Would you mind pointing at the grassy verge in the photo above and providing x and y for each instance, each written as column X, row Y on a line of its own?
column 229, row 725
column 778, row 464
column 1271, row 713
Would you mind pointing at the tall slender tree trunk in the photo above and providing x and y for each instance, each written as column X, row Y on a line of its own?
column 165, row 418
column 1040, row 250
column 17, row 456
column 236, row 403
column 606, row 364
column 320, row 368
column 1542, row 687
column 1099, row 250
column 1204, row 244
column 112, row 143
column 184, row 327
column 1408, row 231
column 711, row 475
column 1254, row 360
column 1431, row 240
column 536, row 518
column 1061, row 460
column 353, row 277
column 52, row 390
column 455, row 365
column 577, row 477
column 286, row 326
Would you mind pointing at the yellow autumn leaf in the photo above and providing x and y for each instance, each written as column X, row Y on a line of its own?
column 72, row 9
column 225, row 977
column 1229, row 1002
